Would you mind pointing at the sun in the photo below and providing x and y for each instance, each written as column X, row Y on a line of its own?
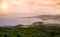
column 4, row 5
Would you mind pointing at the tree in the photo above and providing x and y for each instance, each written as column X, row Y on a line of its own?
column 38, row 23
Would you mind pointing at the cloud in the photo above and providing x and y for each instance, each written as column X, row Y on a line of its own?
column 34, row 6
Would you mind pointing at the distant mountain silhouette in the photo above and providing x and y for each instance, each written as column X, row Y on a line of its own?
column 49, row 19
column 46, row 17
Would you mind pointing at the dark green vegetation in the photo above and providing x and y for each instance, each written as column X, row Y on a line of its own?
column 30, row 31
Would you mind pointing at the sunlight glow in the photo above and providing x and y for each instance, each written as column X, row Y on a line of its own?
column 4, row 5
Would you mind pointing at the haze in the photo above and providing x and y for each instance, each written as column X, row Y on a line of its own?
column 14, row 9
column 31, row 7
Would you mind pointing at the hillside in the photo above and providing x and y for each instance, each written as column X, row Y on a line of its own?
column 31, row 31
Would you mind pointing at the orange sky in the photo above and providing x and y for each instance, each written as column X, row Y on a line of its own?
column 31, row 7
column 0, row 1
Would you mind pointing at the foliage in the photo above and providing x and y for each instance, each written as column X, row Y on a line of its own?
column 31, row 31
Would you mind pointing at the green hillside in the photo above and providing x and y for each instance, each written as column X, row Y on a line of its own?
column 30, row 31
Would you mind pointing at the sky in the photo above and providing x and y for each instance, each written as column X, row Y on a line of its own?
column 30, row 7
column 17, row 8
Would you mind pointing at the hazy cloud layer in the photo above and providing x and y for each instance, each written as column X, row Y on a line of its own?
column 34, row 6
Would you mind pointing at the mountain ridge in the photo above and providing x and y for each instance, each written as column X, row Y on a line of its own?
column 45, row 17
